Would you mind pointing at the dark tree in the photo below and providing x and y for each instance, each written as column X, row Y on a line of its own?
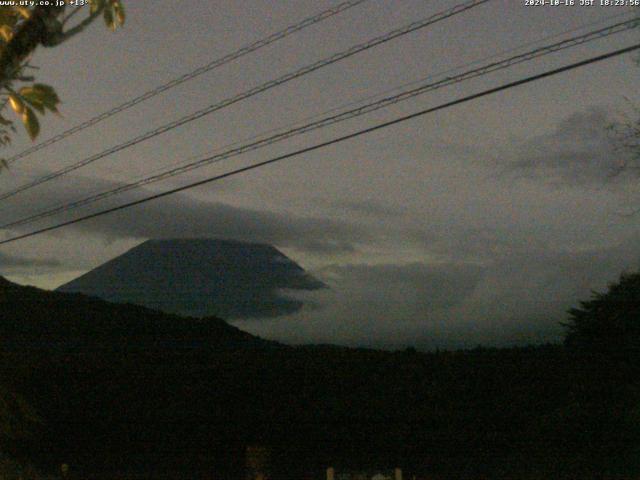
column 608, row 322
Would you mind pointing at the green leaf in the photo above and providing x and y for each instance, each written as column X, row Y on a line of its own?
column 108, row 18
column 41, row 97
column 33, row 98
column 96, row 5
column 6, row 32
column 31, row 123
column 37, row 105
column 118, row 10
column 23, row 11
column 46, row 90
column 16, row 104
column 8, row 16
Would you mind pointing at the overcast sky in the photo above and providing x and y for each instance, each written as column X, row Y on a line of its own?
column 482, row 223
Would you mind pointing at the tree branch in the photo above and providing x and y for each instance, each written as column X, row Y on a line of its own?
column 70, row 16
column 79, row 27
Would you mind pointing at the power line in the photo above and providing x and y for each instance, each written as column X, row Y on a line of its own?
column 387, row 92
column 330, row 120
column 274, row 37
column 460, row 8
column 333, row 141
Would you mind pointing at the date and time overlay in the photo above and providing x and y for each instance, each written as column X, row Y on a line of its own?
column 526, row 3
column 581, row 3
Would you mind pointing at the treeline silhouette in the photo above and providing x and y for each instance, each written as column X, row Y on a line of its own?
column 120, row 389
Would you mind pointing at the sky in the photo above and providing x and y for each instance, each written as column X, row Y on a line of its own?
column 479, row 224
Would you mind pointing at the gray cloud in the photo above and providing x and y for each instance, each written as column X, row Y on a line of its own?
column 13, row 266
column 518, row 299
column 535, row 290
column 426, row 287
column 371, row 208
column 580, row 151
column 183, row 216
column 380, row 305
column 16, row 262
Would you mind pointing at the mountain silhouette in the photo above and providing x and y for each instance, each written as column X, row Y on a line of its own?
column 200, row 277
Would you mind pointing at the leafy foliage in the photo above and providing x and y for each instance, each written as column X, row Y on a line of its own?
column 608, row 321
column 22, row 30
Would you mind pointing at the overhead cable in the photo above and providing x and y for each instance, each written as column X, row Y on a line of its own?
column 332, row 119
column 274, row 37
column 327, row 143
column 412, row 27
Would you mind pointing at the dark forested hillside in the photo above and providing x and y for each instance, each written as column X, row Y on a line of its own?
column 43, row 319
column 120, row 389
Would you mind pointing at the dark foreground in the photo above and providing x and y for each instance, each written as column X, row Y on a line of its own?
column 131, row 393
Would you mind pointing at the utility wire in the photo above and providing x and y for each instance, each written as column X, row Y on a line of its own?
column 384, row 93
column 333, row 141
column 332, row 119
column 460, row 8
column 274, row 37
